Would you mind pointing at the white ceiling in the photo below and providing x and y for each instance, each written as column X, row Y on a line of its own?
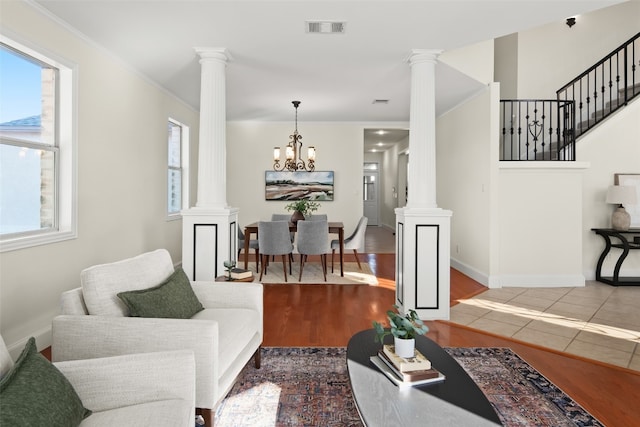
column 274, row 61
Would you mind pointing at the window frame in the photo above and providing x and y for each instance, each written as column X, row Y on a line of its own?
column 184, row 170
column 64, row 148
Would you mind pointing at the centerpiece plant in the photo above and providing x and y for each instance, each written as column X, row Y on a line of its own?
column 404, row 328
column 301, row 208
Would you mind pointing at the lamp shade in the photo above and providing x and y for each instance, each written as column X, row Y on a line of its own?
column 621, row 194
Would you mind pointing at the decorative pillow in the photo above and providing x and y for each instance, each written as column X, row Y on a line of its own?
column 101, row 283
column 173, row 299
column 35, row 393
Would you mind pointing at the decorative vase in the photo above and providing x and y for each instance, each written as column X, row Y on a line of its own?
column 405, row 347
column 297, row 216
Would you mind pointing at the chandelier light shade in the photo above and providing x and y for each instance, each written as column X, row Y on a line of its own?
column 293, row 151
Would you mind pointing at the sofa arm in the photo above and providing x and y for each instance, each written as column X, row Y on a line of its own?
column 230, row 294
column 114, row 382
column 90, row 337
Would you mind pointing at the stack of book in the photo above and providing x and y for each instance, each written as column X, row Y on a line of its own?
column 239, row 273
column 406, row 372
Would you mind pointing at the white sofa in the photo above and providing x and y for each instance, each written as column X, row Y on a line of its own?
column 223, row 336
column 152, row 389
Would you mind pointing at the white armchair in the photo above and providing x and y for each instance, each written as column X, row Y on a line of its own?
column 155, row 389
column 223, row 336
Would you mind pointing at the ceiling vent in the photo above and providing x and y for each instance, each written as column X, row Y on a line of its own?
column 325, row 27
column 380, row 101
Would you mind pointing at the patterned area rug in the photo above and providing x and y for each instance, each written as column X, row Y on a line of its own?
column 310, row 387
column 312, row 273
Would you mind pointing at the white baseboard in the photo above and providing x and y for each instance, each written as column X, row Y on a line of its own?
column 43, row 340
column 476, row 275
column 537, row 281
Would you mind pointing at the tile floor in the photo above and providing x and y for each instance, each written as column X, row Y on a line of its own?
column 597, row 321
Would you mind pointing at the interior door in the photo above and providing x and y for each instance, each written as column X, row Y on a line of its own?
column 370, row 195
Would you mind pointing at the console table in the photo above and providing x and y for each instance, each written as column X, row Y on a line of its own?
column 627, row 240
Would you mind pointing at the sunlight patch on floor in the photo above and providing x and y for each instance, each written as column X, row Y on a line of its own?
column 555, row 319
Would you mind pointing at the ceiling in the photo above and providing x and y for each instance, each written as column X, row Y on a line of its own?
column 274, row 60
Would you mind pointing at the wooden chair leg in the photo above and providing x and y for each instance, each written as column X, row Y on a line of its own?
column 323, row 259
column 263, row 265
column 333, row 252
column 355, row 252
column 257, row 357
column 284, row 267
column 302, row 257
column 257, row 259
column 207, row 414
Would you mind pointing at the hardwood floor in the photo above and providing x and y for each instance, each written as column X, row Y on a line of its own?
column 328, row 315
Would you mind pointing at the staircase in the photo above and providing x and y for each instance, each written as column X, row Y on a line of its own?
column 534, row 130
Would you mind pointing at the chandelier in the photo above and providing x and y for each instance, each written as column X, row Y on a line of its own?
column 292, row 150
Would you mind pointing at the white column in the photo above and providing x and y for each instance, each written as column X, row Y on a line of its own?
column 209, row 230
column 422, row 129
column 213, row 122
column 422, row 229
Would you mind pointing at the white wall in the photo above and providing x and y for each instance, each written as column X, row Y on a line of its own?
column 339, row 148
column 122, row 175
column 464, row 175
column 472, row 60
column 552, row 55
column 612, row 147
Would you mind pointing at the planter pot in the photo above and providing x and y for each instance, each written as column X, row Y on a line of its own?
column 297, row 216
column 405, row 348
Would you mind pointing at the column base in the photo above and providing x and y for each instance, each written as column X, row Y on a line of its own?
column 423, row 261
column 209, row 237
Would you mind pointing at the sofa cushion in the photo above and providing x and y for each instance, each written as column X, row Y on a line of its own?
column 35, row 393
column 102, row 283
column 161, row 413
column 173, row 299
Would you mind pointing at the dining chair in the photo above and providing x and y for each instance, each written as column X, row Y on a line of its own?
column 354, row 242
column 317, row 217
column 274, row 239
column 253, row 244
column 313, row 239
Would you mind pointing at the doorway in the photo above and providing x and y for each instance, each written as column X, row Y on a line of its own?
column 371, row 193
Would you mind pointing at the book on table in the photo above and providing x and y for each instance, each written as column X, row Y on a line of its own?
column 417, row 363
column 430, row 376
column 239, row 273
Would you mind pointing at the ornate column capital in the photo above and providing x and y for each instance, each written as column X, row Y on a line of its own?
column 220, row 54
column 423, row 55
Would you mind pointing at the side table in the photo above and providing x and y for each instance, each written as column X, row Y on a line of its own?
column 224, row 279
column 626, row 240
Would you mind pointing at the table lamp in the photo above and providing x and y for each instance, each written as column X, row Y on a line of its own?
column 619, row 195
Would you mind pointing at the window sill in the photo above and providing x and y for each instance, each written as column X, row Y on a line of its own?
column 24, row 242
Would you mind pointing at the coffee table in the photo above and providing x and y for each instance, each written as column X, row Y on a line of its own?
column 455, row 402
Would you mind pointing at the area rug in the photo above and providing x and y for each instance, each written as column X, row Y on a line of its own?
column 310, row 387
column 312, row 273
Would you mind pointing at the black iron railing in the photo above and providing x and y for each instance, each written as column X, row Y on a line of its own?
column 537, row 130
column 608, row 85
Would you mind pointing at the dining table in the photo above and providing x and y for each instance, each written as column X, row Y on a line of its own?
column 335, row 227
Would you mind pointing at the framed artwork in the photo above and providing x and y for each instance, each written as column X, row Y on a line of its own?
column 631, row 180
column 299, row 185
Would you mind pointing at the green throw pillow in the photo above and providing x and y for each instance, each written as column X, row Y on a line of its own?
column 36, row 393
column 172, row 299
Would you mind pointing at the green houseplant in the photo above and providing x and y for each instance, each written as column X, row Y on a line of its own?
column 301, row 208
column 403, row 328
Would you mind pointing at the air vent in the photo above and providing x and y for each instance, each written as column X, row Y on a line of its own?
column 380, row 101
column 325, row 27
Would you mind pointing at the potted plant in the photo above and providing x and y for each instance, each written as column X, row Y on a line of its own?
column 301, row 208
column 404, row 330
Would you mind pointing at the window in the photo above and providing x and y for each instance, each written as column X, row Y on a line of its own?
column 36, row 148
column 177, row 176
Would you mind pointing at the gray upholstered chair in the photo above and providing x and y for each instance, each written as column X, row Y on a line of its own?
column 274, row 239
column 354, row 242
column 317, row 217
column 253, row 244
column 313, row 239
